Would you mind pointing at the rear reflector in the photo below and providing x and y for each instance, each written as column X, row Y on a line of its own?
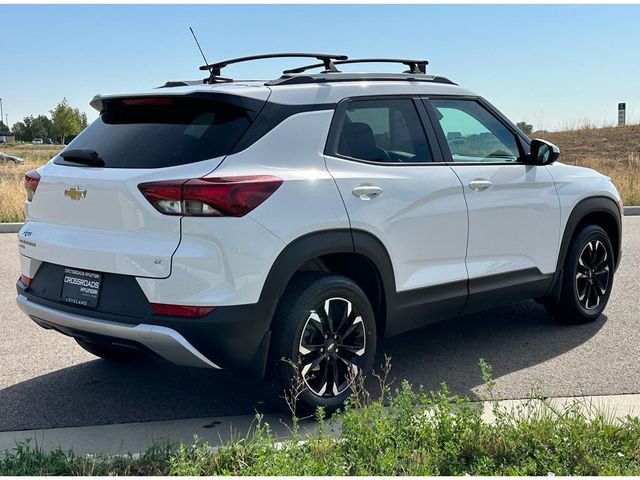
column 26, row 280
column 180, row 310
column 31, row 180
column 210, row 197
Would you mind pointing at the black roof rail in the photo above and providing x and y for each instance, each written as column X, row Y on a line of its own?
column 327, row 60
column 288, row 79
column 415, row 66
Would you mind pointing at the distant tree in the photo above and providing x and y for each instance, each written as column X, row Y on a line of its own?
column 81, row 117
column 4, row 129
column 525, row 127
column 21, row 132
column 31, row 127
column 65, row 121
column 42, row 127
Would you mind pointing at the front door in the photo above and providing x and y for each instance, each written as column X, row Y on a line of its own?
column 514, row 211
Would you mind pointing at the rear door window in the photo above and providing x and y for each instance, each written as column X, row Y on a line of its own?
column 383, row 131
column 158, row 132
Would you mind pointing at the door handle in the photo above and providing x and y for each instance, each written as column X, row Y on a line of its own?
column 479, row 184
column 367, row 192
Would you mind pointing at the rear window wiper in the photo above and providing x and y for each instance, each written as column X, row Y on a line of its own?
column 84, row 156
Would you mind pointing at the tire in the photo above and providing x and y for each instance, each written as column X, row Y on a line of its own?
column 110, row 352
column 325, row 355
column 587, row 280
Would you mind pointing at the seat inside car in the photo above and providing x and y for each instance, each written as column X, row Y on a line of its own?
column 357, row 140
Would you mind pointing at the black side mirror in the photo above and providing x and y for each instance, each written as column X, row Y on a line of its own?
column 543, row 152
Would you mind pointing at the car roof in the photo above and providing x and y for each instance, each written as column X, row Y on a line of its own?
column 338, row 87
column 335, row 91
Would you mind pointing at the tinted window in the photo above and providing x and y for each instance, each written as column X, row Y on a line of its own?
column 383, row 131
column 134, row 134
column 473, row 133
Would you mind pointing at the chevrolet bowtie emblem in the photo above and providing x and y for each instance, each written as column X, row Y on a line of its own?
column 74, row 193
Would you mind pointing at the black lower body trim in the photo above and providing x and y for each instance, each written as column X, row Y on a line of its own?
column 416, row 308
column 490, row 291
column 419, row 307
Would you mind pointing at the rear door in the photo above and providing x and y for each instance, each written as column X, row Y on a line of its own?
column 94, row 217
column 389, row 172
column 514, row 214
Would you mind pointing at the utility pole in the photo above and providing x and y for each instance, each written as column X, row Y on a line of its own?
column 1, row 112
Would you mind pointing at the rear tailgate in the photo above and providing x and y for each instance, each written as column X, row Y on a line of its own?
column 112, row 228
column 92, row 216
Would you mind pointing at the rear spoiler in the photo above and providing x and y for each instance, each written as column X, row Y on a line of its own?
column 252, row 103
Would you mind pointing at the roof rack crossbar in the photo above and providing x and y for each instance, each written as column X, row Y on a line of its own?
column 327, row 60
column 415, row 66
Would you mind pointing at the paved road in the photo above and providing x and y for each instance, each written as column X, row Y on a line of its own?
column 46, row 380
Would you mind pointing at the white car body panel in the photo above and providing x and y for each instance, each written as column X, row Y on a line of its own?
column 220, row 261
column 575, row 184
column 420, row 217
column 113, row 228
column 308, row 200
column 515, row 223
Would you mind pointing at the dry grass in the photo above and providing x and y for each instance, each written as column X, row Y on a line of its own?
column 625, row 174
column 12, row 177
column 614, row 151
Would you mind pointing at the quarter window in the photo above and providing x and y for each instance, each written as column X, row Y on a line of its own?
column 385, row 131
column 473, row 133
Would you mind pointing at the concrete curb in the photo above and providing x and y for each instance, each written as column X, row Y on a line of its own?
column 10, row 227
column 136, row 438
column 632, row 210
column 15, row 227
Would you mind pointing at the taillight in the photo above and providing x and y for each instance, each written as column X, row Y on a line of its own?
column 31, row 179
column 26, row 280
column 180, row 310
column 210, row 197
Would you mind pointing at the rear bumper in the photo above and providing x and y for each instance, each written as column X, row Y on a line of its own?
column 231, row 337
column 163, row 341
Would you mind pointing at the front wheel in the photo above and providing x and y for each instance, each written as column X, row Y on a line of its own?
column 324, row 335
column 588, row 278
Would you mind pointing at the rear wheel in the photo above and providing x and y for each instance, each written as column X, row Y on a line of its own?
column 587, row 279
column 111, row 352
column 323, row 337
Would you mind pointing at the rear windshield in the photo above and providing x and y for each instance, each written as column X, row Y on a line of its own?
column 158, row 132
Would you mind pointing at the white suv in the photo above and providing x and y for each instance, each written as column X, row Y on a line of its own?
column 239, row 224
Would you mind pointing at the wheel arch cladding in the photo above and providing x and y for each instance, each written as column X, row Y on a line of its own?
column 601, row 211
column 355, row 254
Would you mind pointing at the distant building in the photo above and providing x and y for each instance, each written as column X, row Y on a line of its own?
column 7, row 138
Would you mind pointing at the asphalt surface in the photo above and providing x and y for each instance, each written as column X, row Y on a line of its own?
column 47, row 381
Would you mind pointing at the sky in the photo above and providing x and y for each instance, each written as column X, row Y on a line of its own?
column 554, row 66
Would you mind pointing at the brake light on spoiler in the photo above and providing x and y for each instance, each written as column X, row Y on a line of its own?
column 210, row 197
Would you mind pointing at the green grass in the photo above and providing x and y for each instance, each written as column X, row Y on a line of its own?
column 404, row 432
